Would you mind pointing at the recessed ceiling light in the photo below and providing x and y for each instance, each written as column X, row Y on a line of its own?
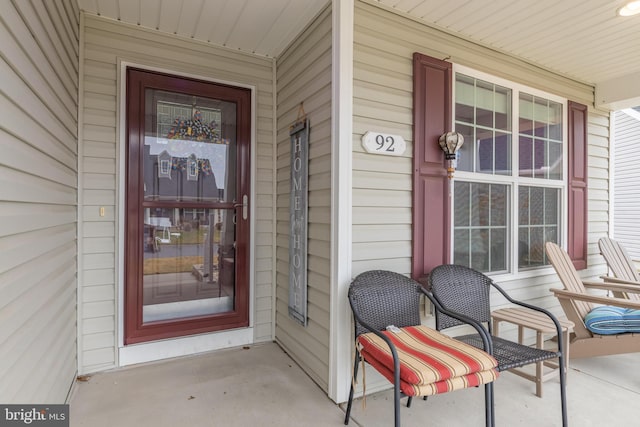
column 631, row 8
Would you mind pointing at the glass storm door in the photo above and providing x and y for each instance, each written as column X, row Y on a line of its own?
column 187, row 207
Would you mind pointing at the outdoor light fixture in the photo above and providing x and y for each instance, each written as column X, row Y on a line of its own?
column 450, row 143
column 630, row 8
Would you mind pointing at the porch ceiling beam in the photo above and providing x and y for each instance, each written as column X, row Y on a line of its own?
column 620, row 93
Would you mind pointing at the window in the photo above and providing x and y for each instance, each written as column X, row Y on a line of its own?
column 433, row 221
column 510, row 181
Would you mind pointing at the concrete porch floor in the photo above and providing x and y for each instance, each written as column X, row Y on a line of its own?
column 261, row 385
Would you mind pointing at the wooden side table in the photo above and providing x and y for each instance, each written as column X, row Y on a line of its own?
column 530, row 319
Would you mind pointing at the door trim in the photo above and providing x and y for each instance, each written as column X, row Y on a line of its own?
column 233, row 336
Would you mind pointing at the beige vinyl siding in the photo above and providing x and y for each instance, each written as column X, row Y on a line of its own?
column 626, row 181
column 105, row 43
column 38, row 200
column 304, row 76
column 384, row 43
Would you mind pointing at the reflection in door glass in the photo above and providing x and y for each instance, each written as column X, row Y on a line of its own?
column 188, row 267
column 189, row 148
column 188, row 237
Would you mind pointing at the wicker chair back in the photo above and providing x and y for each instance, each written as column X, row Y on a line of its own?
column 462, row 290
column 383, row 298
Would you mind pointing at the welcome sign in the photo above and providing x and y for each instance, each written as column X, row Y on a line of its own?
column 298, row 209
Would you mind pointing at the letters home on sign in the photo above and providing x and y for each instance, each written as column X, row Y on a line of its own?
column 298, row 207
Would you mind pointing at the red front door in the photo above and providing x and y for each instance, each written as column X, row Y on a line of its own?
column 187, row 206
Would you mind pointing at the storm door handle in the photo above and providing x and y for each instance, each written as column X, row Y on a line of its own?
column 244, row 204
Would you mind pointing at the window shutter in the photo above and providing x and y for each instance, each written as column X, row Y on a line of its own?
column 432, row 92
column 577, row 233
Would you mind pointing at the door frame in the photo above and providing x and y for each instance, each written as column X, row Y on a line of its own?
column 173, row 347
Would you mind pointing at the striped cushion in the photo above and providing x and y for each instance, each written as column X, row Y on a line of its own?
column 444, row 386
column 608, row 320
column 430, row 362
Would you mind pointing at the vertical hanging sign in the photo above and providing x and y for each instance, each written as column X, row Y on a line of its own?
column 298, row 207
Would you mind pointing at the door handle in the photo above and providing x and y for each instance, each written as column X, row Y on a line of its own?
column 244, row 204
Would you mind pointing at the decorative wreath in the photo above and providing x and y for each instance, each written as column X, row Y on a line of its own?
column 194, row 130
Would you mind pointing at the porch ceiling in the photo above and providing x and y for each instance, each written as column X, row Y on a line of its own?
column 581, row 39
column 262, row 27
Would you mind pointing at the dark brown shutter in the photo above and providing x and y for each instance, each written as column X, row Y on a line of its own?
column 431, row 208
column 577, row 233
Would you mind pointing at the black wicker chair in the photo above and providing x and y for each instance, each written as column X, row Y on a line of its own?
column 383, row 298
column 457, row 290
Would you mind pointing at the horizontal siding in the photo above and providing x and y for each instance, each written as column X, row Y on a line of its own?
column 626, row 181
column 304, row 76
column 382, row 185
column 105, row 43
column 38, row 200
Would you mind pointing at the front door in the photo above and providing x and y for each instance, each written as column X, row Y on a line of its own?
column 187, row 206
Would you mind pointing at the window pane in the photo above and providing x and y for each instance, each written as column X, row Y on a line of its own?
column 551, row 202
column 464, row 113
column 465, row 155
column 536, row 247
column 555, row 121
column 503, row 108
column 526, row 114
column 479, row 252
column 538, row 222
column 465, row 99
column 485, row 150
column 523, row 206
column 551, row 234
column 484, row 103
column 555, row 160
column 480, row 203
column 536, row 206
column 523, row 247
column 498, row 205
column 483, row 116
column 461, row 212
column 526, row 156
column 503, row 153
column 498, row 249
column 541, row 118
column 461, row 247
column 538, row 158
column 480, row 226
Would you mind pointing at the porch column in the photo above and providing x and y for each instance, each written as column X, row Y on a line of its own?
column 341, row 198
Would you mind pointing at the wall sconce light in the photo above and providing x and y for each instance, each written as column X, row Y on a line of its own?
column 450, row 143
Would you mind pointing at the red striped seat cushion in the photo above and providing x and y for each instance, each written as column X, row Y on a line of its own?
column 430, row 362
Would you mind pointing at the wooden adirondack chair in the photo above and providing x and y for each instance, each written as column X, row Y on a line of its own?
column 620, row 263
column 577, row 303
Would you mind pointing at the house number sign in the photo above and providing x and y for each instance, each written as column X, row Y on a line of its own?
column 383, row 143
column 298, row 207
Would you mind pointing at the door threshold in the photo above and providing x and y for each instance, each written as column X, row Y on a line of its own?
column 183, row 346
